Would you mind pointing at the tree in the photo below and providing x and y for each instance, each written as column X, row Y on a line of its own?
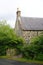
column 8, row 39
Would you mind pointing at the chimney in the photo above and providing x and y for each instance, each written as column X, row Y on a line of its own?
column 18, row 13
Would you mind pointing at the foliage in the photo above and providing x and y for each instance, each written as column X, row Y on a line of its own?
column 8, row 39
column 34, row 50
column 37, row 43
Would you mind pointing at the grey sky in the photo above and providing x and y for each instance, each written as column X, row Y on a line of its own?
column 29, row 8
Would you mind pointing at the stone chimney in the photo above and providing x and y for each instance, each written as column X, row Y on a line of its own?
column 18, row 13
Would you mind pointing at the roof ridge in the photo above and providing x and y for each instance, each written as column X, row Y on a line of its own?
column 33, row 17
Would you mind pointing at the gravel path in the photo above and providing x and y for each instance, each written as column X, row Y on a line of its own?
column 12, row 62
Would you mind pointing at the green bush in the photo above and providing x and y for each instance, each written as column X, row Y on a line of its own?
column 34, row 50
column 8, row 39
column 39, row 57
column 2, row 50
column 27, row 52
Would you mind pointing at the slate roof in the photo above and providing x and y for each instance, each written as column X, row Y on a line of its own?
column 31, row 23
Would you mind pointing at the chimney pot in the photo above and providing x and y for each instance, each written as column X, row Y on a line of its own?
column 18, row 12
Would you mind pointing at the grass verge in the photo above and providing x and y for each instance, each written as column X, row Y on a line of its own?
column 21, row 59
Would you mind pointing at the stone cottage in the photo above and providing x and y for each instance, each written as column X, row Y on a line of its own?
column 28, row 27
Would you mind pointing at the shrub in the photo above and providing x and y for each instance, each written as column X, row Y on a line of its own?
column 39, row 57
column 34, row 50
column 8, row 39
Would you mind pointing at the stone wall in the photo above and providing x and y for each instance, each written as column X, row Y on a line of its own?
column 27, row 35
column 40, row 32
column 11, row 52
column 18, row 30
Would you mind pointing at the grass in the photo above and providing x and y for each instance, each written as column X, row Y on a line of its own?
column 21, row 59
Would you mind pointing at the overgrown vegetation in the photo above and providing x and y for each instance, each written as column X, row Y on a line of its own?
column 9, row 40
column 34, row 50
